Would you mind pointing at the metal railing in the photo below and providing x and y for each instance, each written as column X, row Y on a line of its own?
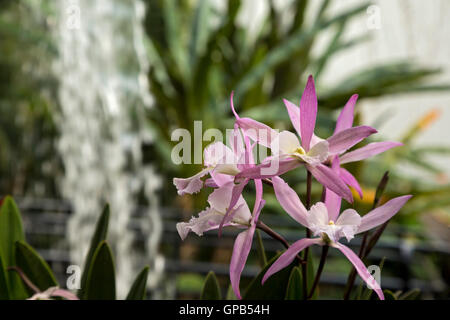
column 45, row 223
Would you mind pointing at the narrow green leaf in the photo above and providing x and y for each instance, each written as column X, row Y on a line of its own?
column 198, row 33
column 101, row 283
column 274, row 288
column 389, row 295
column 310, row 276
column 34, row 267
column 101, row 231
column 211, row 289
column 138, row 289
column 11, row 230
column 295, row 287
column 4, row 290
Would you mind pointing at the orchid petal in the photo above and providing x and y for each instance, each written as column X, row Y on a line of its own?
column 332, row 200
column 190, row 185
column 347, row 138
column 236, row 142
column 289, row 255
column 350, row 180
column 308, row 113
column 218, row 153
column 257, row 131
column 208, row 219
column 348, row 223
column 330, row 180
column 360, row 268
column 368, row 151
column 294, row 115
column 241, row 249
column 274, row 167
column 317, row 217
column 345, row 119
column 382, row 214
column 235, row 196
column 259, row 202
column 289, row 200
column 317, row 154
column 285, row 143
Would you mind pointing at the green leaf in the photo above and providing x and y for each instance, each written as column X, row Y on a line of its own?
column 138, row 289
column 274, row 288
column 101, row 283
column 310, row 276
column 295, row 286
column 410, row 295
column 11, row 230
column 211, row 289
column 34, row 267
column 101, row 231
column 198, row 34
column 389, row 295
column 4, row 290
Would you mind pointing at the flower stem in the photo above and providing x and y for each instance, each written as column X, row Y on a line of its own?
column 363, row 250
column 308, row 234
column 262, row 226
column 323, row 258
column 24, row 278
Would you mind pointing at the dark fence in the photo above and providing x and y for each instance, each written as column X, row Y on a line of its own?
column 409, row 262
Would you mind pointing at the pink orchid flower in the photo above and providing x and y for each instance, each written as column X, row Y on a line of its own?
column 240, row 217
column 291, row 151
column 323, row 221
column 220, row 162
column 344, row 122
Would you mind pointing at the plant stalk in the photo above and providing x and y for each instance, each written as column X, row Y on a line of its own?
column 323, row 258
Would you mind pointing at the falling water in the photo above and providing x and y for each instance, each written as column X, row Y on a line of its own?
column 103, row 93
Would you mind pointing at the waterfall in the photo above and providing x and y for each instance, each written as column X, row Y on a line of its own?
column 103, row 94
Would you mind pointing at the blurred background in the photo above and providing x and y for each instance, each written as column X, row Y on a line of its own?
column 90, row 92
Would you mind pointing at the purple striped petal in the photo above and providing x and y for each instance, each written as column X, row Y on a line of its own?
column 368, row 151
column 289, row 200
column 332, row 200
column 360, row 268
column 241, row 249
column 345, row 119
column 350, row 180
column 294, row 115
column 289, row 255
column 382, row 214
column 347, row 138
column 308, row 113
column 331, row 180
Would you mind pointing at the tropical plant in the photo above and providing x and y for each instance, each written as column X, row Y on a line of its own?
column 24, row 274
